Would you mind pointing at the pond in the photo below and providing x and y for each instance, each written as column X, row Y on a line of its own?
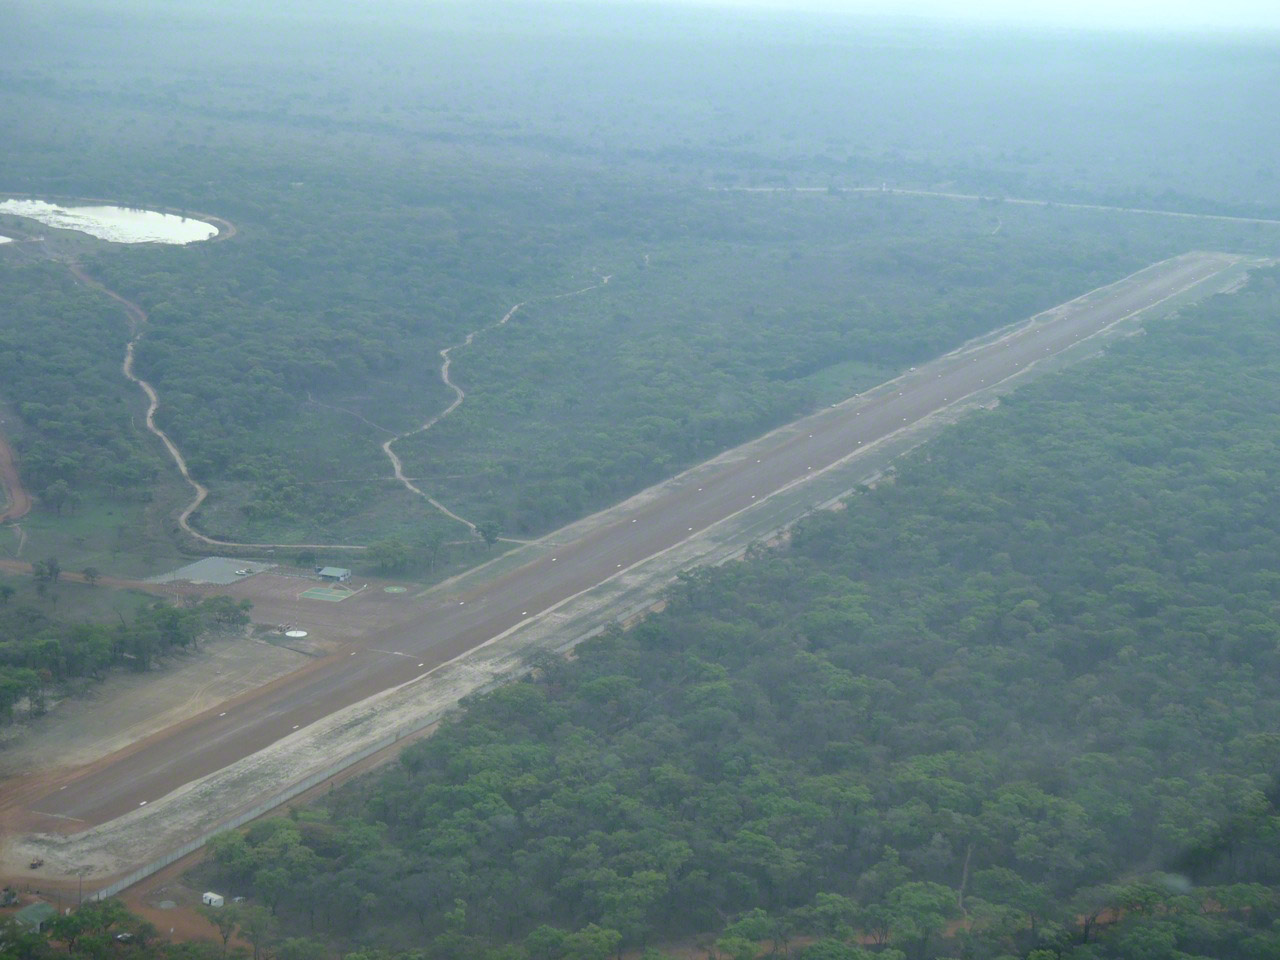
column 116, row 224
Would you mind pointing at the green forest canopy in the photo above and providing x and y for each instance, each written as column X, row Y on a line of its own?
column 1028, row 686
column 399, row 182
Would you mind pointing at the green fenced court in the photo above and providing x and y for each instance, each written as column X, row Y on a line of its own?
column 332, row 594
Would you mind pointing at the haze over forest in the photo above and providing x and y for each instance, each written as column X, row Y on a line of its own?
column 802, row 475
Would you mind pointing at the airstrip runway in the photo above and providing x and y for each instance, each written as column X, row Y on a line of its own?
column 441, row 624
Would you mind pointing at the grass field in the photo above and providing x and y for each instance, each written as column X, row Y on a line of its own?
column 119, row 539
column 77, row 601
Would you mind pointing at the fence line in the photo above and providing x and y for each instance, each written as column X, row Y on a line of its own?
column 265, row 806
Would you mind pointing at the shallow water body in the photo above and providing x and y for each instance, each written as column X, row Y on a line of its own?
column 112, row 223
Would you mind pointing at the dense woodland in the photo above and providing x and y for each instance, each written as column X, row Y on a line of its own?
column 402, row 182
column 66, row 389
column 1023, row 696
column 1020, row 699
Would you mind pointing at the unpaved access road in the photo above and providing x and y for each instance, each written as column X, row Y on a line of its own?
column 17, row 502
column 459, row 395
column 442, row 624
column 138, row 324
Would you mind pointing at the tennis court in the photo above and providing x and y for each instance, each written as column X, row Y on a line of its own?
column 332, row 594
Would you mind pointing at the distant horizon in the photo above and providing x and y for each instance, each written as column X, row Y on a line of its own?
column 1177, row 16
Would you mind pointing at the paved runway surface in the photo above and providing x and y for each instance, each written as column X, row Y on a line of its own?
column 436, row 629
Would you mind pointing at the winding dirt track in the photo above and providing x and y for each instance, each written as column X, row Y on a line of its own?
column 19, row 501
column 138, row 322
column 458, row 396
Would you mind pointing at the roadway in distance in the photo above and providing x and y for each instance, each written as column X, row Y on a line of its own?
column 436, row 629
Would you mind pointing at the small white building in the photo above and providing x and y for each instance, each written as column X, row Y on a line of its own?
column 211, row 899
column 334, row 574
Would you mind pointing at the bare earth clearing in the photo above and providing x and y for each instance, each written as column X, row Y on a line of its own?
column 16, row 501
column 244, row 754
column 126, row 707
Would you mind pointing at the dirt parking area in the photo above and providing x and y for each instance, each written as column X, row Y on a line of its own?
column 126, row 707
column 277, row 600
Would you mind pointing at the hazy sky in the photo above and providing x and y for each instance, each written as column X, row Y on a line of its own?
column 1147, row 14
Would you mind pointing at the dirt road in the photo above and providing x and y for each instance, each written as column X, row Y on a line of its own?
column 442, row 624
column 200, row 493
column 459, row 395
column 17, row 500
column 138, row 321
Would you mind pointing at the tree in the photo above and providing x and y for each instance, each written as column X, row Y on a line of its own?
column 592, row 943
column 388, row 555
column 225, row 919
column 489, row 531
column 90, row 575
column 91, row 920
column 918, row 910
column 432, row 543
column 301, row 948
column 545, row 942
column 226, row 611
column 257, row 925
column 737, row 948
column 829, row 949
column 56, row 495
column 271, row 883
column 46, row 573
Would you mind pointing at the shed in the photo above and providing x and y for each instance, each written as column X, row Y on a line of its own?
column 35, row 916
column 211, row 899
column 336, row 574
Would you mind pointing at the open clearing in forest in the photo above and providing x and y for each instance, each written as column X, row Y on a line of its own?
column 126, row 707
column 283, row 598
